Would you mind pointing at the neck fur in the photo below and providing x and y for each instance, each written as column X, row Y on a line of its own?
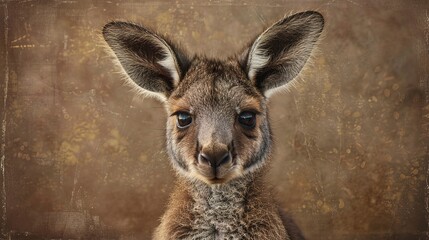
column 232, row 192
column 217, row 209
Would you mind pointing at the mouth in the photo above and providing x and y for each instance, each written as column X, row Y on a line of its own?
column 217, row 180
column 218, row 175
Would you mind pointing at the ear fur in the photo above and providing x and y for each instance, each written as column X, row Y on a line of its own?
column 149, row 60
column 278, row 54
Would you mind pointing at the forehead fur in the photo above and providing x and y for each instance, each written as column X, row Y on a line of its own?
column 210, row 81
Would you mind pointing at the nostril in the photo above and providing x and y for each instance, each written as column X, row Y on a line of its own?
column 203, row 159
column 225, row 159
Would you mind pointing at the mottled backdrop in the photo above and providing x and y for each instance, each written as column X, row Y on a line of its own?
column 82, row 156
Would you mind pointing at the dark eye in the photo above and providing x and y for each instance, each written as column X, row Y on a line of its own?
column 183, row 119
column 247, row 119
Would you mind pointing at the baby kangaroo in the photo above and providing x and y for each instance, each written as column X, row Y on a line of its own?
column 218, row 133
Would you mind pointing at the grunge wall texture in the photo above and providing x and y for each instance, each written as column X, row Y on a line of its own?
column 82, row 156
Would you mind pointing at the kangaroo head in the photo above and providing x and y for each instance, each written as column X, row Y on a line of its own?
column 217, row 127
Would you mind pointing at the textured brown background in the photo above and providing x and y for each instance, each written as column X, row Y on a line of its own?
column 83, row 156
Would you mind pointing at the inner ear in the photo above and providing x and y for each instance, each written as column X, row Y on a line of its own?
column 151, row 61
column 278, row 54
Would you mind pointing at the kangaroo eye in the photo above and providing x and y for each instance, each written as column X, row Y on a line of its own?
column 247, row 119
column 183, row 120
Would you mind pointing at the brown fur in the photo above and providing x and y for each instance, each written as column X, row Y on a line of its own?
column 218, row 134
column 260, row 218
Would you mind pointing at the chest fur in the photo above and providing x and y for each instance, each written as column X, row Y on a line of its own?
column 233, row 211
column 229, row 212
column 219, row 215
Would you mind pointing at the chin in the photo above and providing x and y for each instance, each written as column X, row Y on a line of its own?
column 224, row 178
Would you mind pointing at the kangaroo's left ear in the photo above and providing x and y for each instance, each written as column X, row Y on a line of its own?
column 280, row 52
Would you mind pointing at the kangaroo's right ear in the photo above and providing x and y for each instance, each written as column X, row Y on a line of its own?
column 149, row 60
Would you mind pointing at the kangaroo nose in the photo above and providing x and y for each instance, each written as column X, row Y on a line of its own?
column 214, row 158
